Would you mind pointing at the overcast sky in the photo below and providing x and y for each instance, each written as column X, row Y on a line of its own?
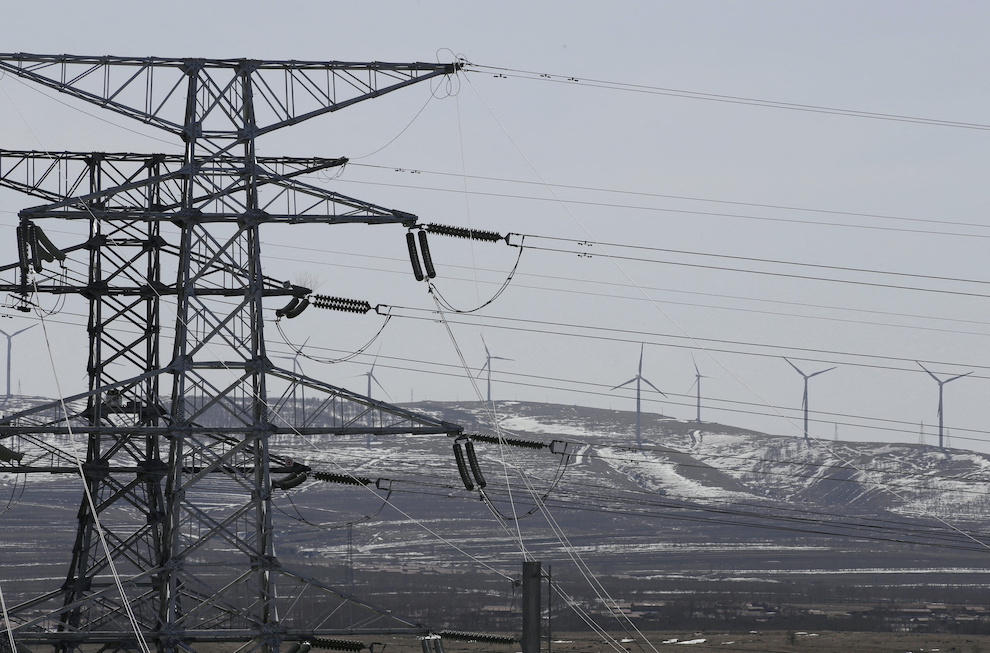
column 638, row 128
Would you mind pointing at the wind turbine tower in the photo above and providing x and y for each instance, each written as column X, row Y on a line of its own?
column 488, row 366
column 10, row 338
column 639, row 381
column 804, row 400
column 697, row 384
column 941, row 383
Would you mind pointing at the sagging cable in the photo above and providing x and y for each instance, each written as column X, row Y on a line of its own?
column 461, row 232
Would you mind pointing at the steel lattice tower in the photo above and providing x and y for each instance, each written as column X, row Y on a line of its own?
column 173, row 418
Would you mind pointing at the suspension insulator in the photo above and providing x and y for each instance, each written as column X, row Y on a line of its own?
column 462, row 466
column 293, row 303
column 424, row 246
column 50, row 249
column 290, row 481
column 414, row 256
column 461, row 232
column 512, row 442
column 32, row 234
column 487, row 638
column 475, row 467
column 343, row 479
column 297, row 309
column 341, row 304
column 337, row 644
column 22, row 252
column 9, row 455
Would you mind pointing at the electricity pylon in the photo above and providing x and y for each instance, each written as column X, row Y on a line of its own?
column 173, row 420
column 804, row 398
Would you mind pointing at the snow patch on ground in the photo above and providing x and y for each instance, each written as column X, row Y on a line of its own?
column 656, row 473
column 533, row 425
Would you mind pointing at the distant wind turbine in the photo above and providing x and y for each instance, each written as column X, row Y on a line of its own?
column 804, row 400
column 371, row 377
column 941, row 383
column 10, row 338
column 697, row 383
column 639, row 381
column 298, row 398
column 488, row 366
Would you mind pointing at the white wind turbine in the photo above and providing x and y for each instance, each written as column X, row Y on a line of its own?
column 639, row 379
column 488, row 366
column 804, row 400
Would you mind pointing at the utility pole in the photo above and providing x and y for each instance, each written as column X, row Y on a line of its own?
column 177, row 416
column 531, row 613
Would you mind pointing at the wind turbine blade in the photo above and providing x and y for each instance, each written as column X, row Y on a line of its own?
column 793, row 365
column 929, row 372
column 626, row 383
column 483, row 368
column 379, row 385
column 957, row 377
column 822, row 372
column 654, row 387
column 696, row 371
column 502, row 358
column 485, row 344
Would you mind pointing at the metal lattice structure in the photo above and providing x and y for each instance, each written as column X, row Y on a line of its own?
column 174, row 418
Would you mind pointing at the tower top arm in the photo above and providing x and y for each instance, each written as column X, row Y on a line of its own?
column 218, row 98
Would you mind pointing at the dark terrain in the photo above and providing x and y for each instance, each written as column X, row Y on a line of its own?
column 709, row 527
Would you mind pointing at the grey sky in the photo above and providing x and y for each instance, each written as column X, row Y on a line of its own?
column 906, row 58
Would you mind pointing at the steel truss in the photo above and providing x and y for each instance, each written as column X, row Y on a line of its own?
column 174, row 419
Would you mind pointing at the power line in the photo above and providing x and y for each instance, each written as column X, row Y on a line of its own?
column 715, row 97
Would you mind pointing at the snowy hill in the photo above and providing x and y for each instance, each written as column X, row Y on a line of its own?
column 702, row 508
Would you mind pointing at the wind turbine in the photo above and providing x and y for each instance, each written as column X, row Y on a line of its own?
column 298, row 400
column 639, row 381
column 488, row 365
column 697, row 382
column 10, row 337
column 941, row 383
column 804, row 401
column 371, row 377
